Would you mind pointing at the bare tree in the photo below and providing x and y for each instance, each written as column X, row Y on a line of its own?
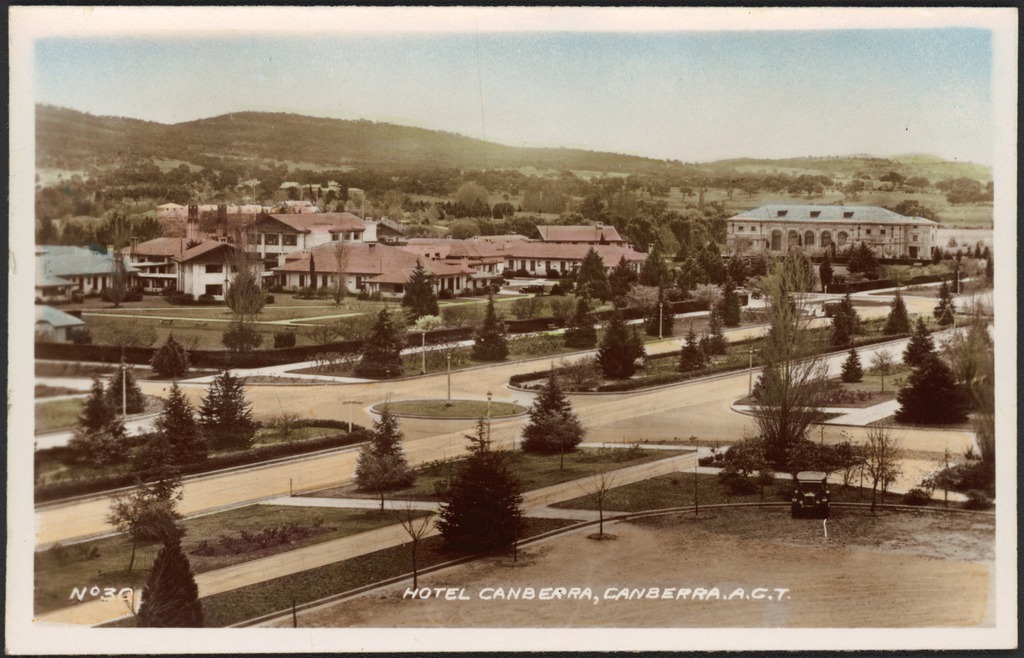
column 882, row 454
column 882, row 363
column 599, row 486
column 417, row 528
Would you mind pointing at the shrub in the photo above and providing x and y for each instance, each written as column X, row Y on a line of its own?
column 557, row 290
column 269, row 299
column 446, row 294
column 977, row 500
column 737, row 484
column 80, row 335
column 284, row 339
column 917, row 496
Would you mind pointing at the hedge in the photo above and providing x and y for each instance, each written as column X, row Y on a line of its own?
column 60, row 490
column 876, row 284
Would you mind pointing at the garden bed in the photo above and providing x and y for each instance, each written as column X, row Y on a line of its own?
column 456, row 409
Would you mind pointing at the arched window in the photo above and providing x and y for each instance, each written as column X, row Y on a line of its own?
column 826, row 239
column 842, row 237
column 809, row 238
column 793, row 239
column 776, row 240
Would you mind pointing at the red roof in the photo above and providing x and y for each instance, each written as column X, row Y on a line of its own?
column 327, row 222
column 170, row 247
column 610, row 254
column 203, row 249
column 387, row 264
column 593, row 234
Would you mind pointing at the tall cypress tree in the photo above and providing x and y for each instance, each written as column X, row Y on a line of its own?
column 691, row 355
column 620, row 350
column 419, row 298
column 898, row 321
column 944, row 309
column 490, row 343
column 920, row 345
column 225, row 415
column 593, row 277
column 580, row 331
column 716, row 342
column 170, row 597
column 729, row 305
column 621, row 279
column 654, row 271
column 845, row 323
column 553, row 425
column 382, row 351
column 825, row 273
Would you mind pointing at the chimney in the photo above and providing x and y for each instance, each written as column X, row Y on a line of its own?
column 222, row 220
column 192, row 224
column 600, row 225
column 135, row 244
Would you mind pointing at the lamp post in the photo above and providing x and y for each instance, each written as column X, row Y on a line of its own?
column 750, row 369
column 661, row 311
column 448, row 357
column 124, row 390
column 489, row 394
column 423, row 354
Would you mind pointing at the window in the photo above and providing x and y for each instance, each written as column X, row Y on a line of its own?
column 740, row 228
column 781, row 213
column 868, row 231
column 883, row 231
column 815, row 214
column 776, row 240
column 289, row 240
column 848, row 214
column 808, row 238
column 334, row 237
column 826, row 239
column 214, row 289
column 913, row 237
column 271, row 239
column 214, row 268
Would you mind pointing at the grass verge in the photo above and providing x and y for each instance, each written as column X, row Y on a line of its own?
column 455, row 409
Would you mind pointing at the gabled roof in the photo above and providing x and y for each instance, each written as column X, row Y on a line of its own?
column 367, row 259
column 609, row 253
column 593, row 234
column 65, row 261
column 169, row 247
column 203, row 249
column 820, row 213
column 55, row 318
column 325, row 222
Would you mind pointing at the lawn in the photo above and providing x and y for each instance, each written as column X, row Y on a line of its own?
column 676, row 490
column 534, row 471
column 58, row 414
column 279, row 594
column 46, row 391
column 271, row 435
column 105, row 561
column 455, row 409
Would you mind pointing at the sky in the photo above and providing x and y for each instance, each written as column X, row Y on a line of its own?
column 691, row 96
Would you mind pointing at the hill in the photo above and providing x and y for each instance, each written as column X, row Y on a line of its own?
column 70, row 139
column 927, row 166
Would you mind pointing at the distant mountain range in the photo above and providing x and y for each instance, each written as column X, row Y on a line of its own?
column 72, row 140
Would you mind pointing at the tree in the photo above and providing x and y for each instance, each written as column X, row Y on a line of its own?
column 989, row 268
column 171, row 359
column 482, row 507
column 600, row 484
column 621, row 278
column 791, row 388
column 177, row 440
column 340, row 288
column 381, row 355
column 553, row 426
column 245, row 298
column 592, row 276
column 620, row 349
column 944, row 309
column 825, row 273
column 382, row 465
column 691, row 356
column 654, row 272
column 931, row 395
column 716, row 342
column 898, row 321
column 490, row 343
column 170, row 597
column 919, row 346
column 862, row 261
column 225, row 415
column 882, row 456
column 581, row 332
column 419, row 298
column 882, row 363
column 106, row 446
column 660, row 320
column 147, row 512
column 120, row 235
column 845, row 323
column 97, row 412
column 852, row 371
column 729, row 305
column 241, row 337
column 123, row 392
column 417, row 527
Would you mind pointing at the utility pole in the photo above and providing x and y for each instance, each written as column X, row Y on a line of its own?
column 750, row 369
column 124, row 391
column 423, row 354
column 448, row 357
column 661, row 311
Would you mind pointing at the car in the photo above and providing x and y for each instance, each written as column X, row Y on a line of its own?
column 810, row 495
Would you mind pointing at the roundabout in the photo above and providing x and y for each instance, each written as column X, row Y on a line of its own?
column 452, row 410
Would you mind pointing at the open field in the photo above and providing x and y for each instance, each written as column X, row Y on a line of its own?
column 59, row 570
column 892, row 570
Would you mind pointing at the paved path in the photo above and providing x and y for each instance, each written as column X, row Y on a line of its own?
column 846, row 415
column 62, row 438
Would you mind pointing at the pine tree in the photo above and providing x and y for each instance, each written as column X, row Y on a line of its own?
column 419, row 298
column 716, row 342
column 382, row 465
column 660, row 320
column 171, row 360
column 654, row 271
column 825, row 273
column 898, row 321
column 931, row 395
column 482, row 506
column 729, row 305
column 862, row 261
column 490, row 343
column 170, row 597
column 134, row 402
column 177, row 440
column 710, row 261
column 852, row 371
column 226, row 416
column 580, row 331
column 845, row 323
column 106, row 446
column 621, row 279
column 944, row 309
column 553, row 426
column 97, row 413
column 592, row 276
column 382, row 351
column 620, row 350
column 989, row 267
column 919, row 346
column 691, row 355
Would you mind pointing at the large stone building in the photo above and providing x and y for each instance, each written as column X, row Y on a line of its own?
column 778, row 228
